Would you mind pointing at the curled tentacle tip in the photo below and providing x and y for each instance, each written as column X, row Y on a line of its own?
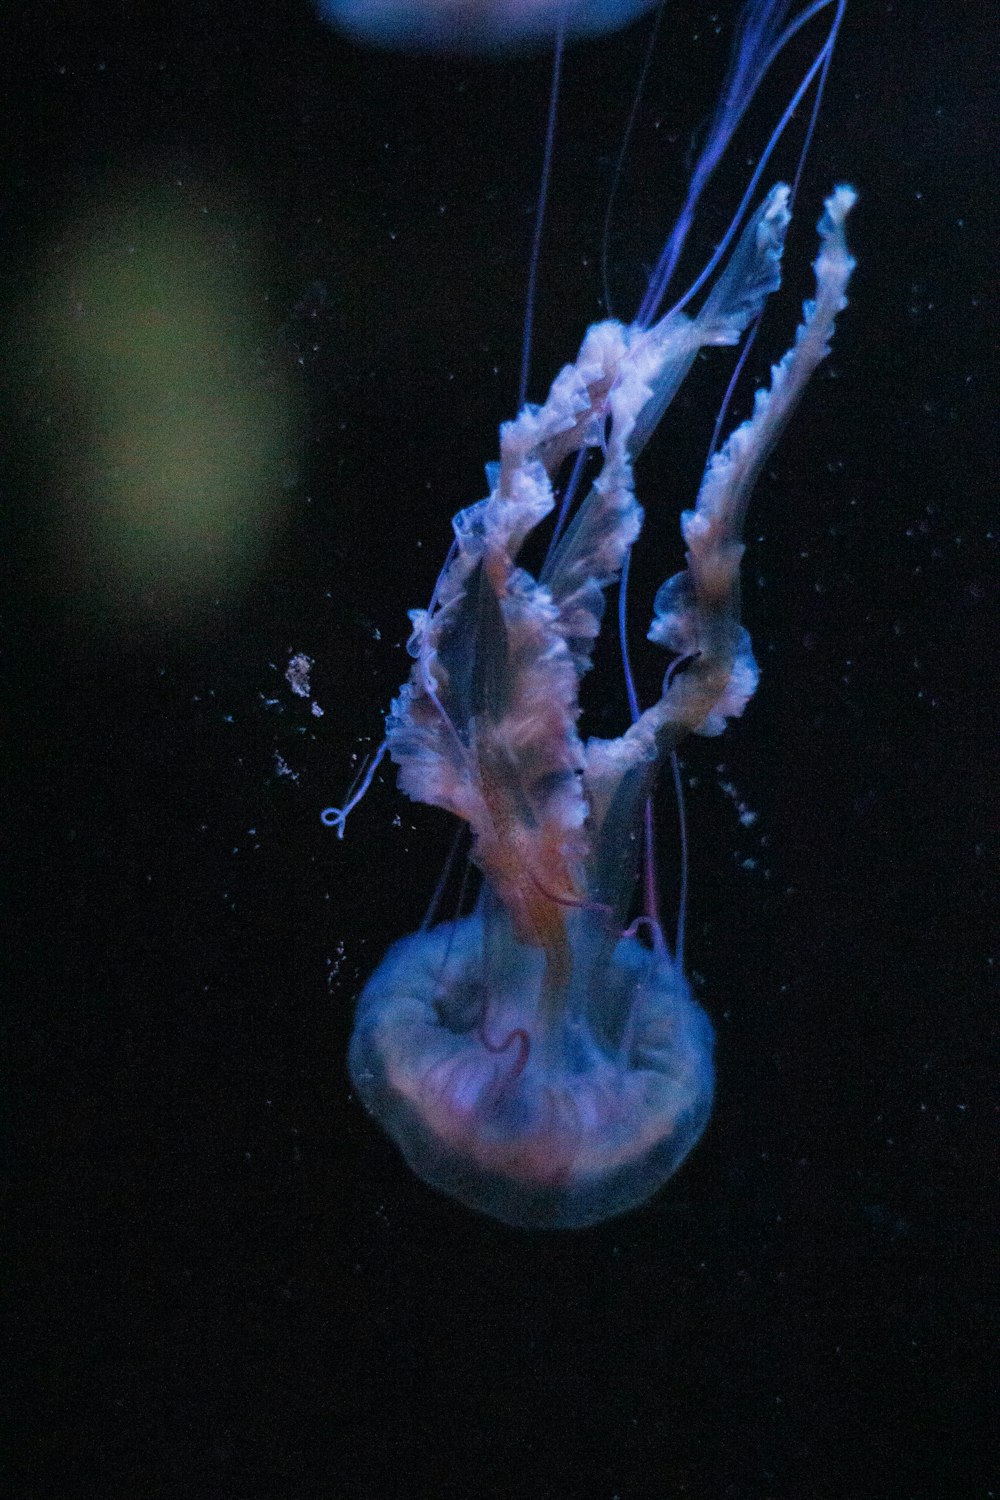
column 334, row 817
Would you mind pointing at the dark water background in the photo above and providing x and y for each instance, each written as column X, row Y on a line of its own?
column 227, row 1284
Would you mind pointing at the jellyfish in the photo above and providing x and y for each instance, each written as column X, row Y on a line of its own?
column 476, row 25
column 542, row 1058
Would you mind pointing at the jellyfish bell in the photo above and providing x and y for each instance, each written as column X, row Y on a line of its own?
column 469, row 26
column 540, row 1114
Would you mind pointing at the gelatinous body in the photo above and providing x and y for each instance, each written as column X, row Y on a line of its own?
column 539, row 1059
column 542, row 1059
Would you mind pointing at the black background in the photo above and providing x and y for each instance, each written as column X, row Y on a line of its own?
column 227, row 1282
